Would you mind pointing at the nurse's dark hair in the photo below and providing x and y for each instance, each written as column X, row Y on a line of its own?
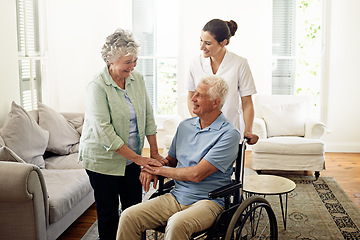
column 220, row 29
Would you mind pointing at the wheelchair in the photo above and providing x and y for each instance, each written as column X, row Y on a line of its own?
column 251, row 218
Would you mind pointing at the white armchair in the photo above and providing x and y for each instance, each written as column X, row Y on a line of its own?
column 289, row 140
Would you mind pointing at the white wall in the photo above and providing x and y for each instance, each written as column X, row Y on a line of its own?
column 343, row 119
column 252, row 40
column 9, row 74
column 77, row 30
column 76, row 33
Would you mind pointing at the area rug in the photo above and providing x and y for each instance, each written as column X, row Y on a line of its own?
column 316, row 210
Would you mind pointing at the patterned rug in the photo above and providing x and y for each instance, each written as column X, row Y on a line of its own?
column 316, row 210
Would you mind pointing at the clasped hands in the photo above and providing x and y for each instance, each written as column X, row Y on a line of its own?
column 148, row 170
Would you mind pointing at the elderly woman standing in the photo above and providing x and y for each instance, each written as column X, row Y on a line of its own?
column 118, row 117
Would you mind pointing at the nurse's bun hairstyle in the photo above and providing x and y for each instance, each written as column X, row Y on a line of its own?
column 220, row 29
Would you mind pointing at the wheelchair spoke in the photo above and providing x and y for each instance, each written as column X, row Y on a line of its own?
column 256, row 225
column 254, row 219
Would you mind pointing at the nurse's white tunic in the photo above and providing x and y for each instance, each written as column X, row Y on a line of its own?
column 236, row 72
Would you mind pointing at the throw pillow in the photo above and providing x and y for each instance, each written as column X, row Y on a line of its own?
column 6, row 154
column 77, row 123
column 285, row 119
column 63, row 135
column 2, row 143
column 24, row 136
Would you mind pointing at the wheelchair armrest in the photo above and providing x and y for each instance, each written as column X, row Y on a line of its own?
column 225, row 190
column 163, row 187
column 169, row 184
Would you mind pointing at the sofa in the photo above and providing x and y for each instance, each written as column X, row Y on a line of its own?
column 290, row 138
column 43, row 188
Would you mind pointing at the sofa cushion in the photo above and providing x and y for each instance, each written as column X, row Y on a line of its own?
column 284, row 119
column 289, row 145
column 66, row 188
column 24, row 136
column 6, row 154
column 63, row 162
column 63, row 135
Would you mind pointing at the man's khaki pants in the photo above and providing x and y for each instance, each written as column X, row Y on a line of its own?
column 181, row 220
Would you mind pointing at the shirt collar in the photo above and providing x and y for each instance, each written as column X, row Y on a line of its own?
column 206, row 61
column 216, row 125
column 109, row 81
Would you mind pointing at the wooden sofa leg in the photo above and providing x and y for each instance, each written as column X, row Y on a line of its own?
column 317, row 174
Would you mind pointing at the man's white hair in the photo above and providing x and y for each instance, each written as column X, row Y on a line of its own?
column 218, row 88
column 119, row 43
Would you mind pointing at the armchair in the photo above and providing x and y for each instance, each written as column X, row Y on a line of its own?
column 289, row 139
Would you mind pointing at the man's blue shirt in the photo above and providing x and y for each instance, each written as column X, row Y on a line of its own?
column 218, row 144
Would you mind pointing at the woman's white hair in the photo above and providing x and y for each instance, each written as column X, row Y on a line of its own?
column 218, row 88
column 119, row 43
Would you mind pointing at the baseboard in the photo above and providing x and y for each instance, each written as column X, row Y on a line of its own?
column 342, row 147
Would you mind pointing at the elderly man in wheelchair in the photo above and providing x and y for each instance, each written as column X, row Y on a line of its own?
column 200, row 160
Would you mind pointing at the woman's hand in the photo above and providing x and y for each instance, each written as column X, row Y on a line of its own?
column 160, row 158
column 147, row 162
column 146, row 178
column 127, row 153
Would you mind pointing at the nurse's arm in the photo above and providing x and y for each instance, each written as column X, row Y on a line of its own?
column 248, row 112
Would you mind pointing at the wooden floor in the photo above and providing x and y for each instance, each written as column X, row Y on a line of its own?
column 344, row 167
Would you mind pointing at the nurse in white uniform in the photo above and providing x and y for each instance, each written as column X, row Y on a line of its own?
column 217, row 60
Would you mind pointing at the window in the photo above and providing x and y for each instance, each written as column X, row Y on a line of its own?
column 155, row 24
column 30, row 52
column 297, row 48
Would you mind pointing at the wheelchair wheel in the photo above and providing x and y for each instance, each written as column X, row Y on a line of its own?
column 253, row 219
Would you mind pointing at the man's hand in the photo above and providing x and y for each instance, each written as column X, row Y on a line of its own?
column 252, row 138
column 145, row 179
column 153, row 170
column 195, row 173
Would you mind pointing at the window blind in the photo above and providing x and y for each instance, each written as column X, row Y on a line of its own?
column 153, row 21
column 283, row 48
column 29, row 53
column 144, row 30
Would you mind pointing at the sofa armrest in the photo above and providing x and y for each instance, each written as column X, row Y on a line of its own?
column 314, row 129
column 23, row 201
column 259, row 128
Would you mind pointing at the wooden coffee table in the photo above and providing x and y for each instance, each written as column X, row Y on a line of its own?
column 269, row 185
